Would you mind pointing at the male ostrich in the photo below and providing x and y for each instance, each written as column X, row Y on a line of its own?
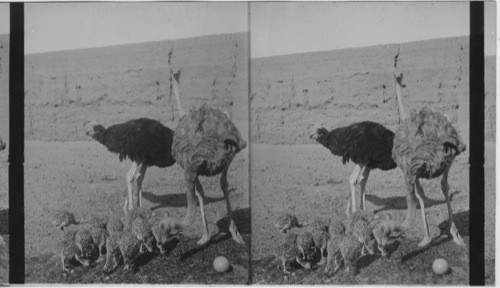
column 145, row 141
column 425, row 146
column 367, row 144
column 205, row 142
column 2, row 144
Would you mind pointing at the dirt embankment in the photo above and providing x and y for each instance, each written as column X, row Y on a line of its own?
column 119, row 83
column 337, row 88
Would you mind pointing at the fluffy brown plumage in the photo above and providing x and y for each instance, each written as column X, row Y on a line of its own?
column 68, row 250
column 286, row 221
column 205, row 142
column 63, row 219
column 425, row 146
column 337, row 231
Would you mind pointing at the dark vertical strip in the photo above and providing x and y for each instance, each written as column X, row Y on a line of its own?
column 476, row 158
column 16, row 147
column 249, row 67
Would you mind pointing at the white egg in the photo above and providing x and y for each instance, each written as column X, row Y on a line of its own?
column 221, row 264
column 440, row 266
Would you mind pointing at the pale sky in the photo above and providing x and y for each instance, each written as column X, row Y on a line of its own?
column 294, row 27
column 276, row 28
column 63, row 26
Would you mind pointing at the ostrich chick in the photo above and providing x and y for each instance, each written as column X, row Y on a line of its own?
column 289, row 252
column 320, row 239
column 67, row 250
column 285, row 222
column 318, row 224
column 305, row 243
column 129, row 248
column 384, row 230
column 337, row 231
column 83, row 240
column 112, row 252
column 362, row 231
column 97, row 221
column 99, row 237
column 350, row 248
column 63, row 219
column 163, row 230
column 140, row 228
column 114, row 225
column 142, row 212
column 359, row 215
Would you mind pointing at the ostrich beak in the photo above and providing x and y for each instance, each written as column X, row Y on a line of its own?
column 313, row 131
column 462, row 148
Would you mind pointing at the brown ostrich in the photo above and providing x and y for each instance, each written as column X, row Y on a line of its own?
column 425, row 146
column 205, row 142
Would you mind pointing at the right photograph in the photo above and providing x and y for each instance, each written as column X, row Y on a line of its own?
column 360, row 142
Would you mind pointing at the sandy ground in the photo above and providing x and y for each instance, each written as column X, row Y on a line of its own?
column 85, row 178
column 308, row 181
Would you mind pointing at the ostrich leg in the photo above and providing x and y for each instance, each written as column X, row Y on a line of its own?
column 139, row 178
column 445, row 188
column 130, row 180
column 411, row 202
column 420, row 191
column 191, row 200
column 232, row 227
column 200, row 193
column 353, row 180
column 362, row 182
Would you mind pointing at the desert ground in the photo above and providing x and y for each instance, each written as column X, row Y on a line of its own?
column 85, row 178
column 291, row 173
column 65, row 169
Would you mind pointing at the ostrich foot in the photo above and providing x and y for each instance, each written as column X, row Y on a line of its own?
column 237, row 237
column 456, row 236
column 363, row 251
column 100, row 259
column 321, row 262
column 425, row 242
column 203, row 240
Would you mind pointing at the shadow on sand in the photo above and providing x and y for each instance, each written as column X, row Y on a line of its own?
column 177, row 200
column 399, row 202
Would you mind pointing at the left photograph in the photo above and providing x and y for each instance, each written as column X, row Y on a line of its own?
column 4, row 139
column 136, row 153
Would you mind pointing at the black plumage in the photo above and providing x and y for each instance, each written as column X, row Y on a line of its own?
column 145, row 141
column 3, row 145
column 141, row 140
column 367, row 144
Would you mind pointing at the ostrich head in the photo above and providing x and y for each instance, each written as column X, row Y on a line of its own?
column 451, row 139
column 91, row 127
column 316, row 130
column 165, row 230
column 2, row 144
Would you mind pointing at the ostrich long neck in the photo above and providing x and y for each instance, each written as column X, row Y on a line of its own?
column 402, row 113
column 175, row 86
